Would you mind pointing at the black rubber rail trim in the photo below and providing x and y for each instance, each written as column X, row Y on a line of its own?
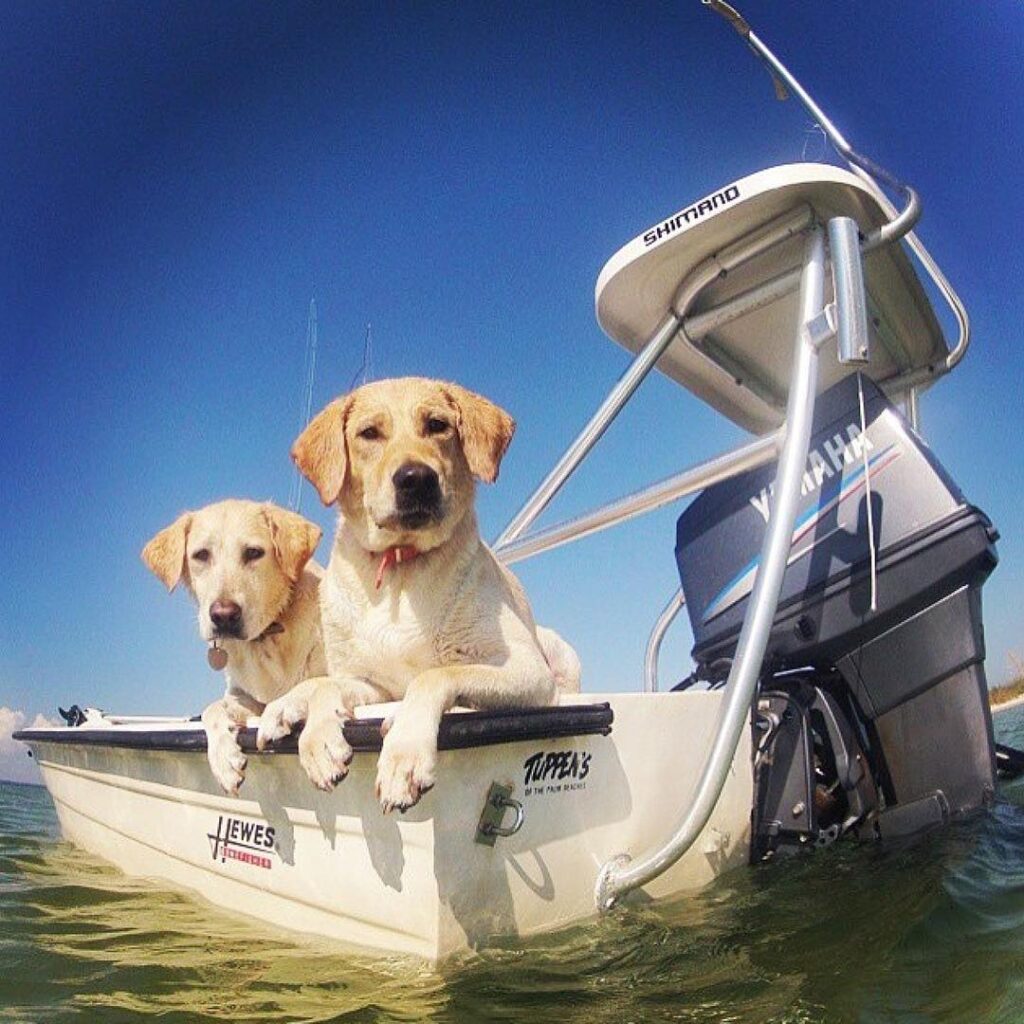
column 458, row 731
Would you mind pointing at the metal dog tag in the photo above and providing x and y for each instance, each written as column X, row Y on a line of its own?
column 217, row 658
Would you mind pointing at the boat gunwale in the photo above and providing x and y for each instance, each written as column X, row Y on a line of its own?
column 458, row 731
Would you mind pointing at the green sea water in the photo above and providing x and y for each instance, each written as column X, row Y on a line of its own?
column 929, row 932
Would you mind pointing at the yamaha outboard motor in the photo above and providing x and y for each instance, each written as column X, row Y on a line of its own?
column 873, row 708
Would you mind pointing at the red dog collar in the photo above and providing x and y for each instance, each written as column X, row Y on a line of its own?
column 394, row 556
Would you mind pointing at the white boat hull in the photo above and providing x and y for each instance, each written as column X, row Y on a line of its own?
column 418, row 883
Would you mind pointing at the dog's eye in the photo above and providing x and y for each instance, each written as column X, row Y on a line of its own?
column 369, row 434
column 436, row 425
column 252, row 554
column 201, row 555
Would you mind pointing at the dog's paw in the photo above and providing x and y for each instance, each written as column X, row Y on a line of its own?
column 406, row 768
column 280, row 717
column 226, row 761
column 324, row 752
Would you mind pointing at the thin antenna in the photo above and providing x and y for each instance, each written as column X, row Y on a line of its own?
column 363, row 372
column 306, row 405
column 368, row 372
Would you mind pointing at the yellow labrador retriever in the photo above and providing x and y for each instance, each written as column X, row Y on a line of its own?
column 414, row 605
column 247, row 564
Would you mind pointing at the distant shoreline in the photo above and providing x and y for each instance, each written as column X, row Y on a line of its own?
column 1005, row 705
column 1009, row 695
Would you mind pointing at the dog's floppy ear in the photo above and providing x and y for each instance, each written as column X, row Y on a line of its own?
column 294, row 538
column 164, row 555
column 485, row 429
column 319, row 451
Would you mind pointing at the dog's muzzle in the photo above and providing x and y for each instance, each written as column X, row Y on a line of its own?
column 417, row 494
column 226, row 617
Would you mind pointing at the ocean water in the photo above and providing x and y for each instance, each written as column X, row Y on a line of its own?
column 930, row 932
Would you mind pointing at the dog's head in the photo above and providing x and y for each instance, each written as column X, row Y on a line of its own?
column 239, row 559
column 400, row 456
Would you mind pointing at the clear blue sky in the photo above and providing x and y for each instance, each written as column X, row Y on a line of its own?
column 179, row 179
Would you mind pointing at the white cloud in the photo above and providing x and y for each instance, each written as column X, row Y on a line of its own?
column 15, row 764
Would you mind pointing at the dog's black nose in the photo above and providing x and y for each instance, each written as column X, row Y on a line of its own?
column 416, row 483
column 226, row 616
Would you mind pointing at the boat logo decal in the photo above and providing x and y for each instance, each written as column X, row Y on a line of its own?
column 691, row 214
column 559, row 771
column 248, row 842
column 823, row 462
column 743, row 582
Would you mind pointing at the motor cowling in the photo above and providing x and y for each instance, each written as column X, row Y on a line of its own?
column 900, row 633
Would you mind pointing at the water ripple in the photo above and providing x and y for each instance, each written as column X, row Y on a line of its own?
column 928, row 933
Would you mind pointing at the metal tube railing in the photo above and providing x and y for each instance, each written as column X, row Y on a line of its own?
column 665, row 619
column 900, row 223
column 722, row 467
column 908, row 217
column 620, row 874
column 591, row 433
column 701, row 324
column 734, row 255
column 913, row 408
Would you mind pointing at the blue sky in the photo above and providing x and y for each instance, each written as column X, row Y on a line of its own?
column 178, row 180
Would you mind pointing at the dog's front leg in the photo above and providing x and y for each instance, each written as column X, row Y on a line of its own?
column 221, row 721
column 408, row 758
column 282, row 715
column 323, row 749
column 324, row 704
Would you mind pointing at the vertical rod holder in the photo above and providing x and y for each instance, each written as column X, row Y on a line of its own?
column 848, row 284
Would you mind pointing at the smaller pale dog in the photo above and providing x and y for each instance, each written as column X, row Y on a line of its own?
column 414, row 605
column 247, row 564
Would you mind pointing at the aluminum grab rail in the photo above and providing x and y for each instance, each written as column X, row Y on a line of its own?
column 704, row 474
column 621, row 874
column 867, row 170
column 911, row 213
column 694, row 328
column 665, row 619
column 732, row 256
